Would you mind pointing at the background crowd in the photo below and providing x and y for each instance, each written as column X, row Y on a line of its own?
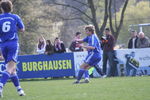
column 137, row 40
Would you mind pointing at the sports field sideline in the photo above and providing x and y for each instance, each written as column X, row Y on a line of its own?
column 119, row 88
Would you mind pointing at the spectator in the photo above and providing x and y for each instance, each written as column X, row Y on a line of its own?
column 41, row 45
column 108, row 53
column 75, row 45
column 133, row 40
column 143, row 41
column 59, row 46
column 49, row 48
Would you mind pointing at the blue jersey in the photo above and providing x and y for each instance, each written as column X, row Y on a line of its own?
column 93, row 41
column 9, row 25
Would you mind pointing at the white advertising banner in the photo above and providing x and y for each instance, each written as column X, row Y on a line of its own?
column 137, row 59
column 141, row 55
column 78, row 60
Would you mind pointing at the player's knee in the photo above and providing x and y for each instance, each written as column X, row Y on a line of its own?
column 11, row 64
column 9, row 71
column 13, row 73
column 11, row 67
column 84, row 67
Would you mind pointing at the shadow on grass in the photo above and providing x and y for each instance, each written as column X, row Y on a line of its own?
column 47, row 79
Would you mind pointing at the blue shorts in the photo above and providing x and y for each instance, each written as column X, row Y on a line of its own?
column 93, row 59
column 10, row 50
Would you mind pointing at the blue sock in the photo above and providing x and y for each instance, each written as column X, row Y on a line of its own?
column 5, row 77
column 86, row 74
column 15, row 80
column 81, row 72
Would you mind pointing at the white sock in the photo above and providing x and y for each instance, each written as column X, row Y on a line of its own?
column 18, row 87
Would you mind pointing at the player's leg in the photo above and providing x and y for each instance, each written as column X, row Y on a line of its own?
column 94, row 61
column 86, row 75
column 5, row 76
column 81, row 72
column 86, row 80
column 15, row 79
column 13, row 54
column 89, row 60
column 13, row 48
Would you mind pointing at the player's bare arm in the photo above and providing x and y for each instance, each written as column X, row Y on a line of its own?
column 89, row 47
column 79, row 40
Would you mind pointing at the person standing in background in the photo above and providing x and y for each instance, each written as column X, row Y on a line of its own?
column 143, row 41
column 133, row 40
column 108, row 43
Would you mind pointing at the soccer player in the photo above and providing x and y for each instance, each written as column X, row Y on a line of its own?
column 94, row 53
column 10, row 24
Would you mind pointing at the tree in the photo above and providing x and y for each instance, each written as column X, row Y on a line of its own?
column 136, row 13
column 92, row 16
column 39, row 19
column 116, row 29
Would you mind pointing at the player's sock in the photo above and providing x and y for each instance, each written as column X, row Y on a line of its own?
column 5, row 77
column 81, row 72
column 1, row 90
column 15, row 80
column 86, row 74
column 1, row 87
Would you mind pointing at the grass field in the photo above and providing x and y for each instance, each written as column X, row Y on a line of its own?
column 121, row 88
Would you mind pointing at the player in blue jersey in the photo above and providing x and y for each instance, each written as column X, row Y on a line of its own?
column 94, row 53
column 10, row 24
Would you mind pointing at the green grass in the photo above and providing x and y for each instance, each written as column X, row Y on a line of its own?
column 121, row 88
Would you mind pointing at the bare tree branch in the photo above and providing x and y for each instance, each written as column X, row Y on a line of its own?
column 94, row 18
column 117, row 28
column 115, row 14
column 105, row 17
column 79, row 1
column 93, row 12
column 75, row 18
column 110, row 16
column 122, row 16
column 84, row 21
column 67, row 5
